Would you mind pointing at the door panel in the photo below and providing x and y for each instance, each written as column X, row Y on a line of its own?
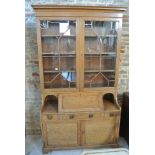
column 98, row 132
column 59, row 53
column 62, row 134
column 100, row 48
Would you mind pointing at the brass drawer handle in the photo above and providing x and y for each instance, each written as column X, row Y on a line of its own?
column 71, row 116
column 111, row 114
column 49, row 116
column 91, row 115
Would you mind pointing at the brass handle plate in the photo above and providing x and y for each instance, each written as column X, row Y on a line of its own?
column 91, row 115
column 71, row 116
column 49, row 116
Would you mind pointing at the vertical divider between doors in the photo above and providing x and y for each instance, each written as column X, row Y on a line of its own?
column 82, row 133
column 81, row 65
column 79, row 132
column 77, row 53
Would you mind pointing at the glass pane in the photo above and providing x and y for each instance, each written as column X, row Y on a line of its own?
column 59, row 53
column 99, row 79
column 100, row 53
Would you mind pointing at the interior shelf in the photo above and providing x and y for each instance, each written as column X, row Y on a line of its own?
column 57, row 71
column 101, row 36
column 95, row 71
column 74, row 53
column 87, row 71
column 48, row 82
column 50, row 35
column 57, row 54
column 104, row 53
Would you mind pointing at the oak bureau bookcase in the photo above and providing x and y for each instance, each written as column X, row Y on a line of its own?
column 78, row 51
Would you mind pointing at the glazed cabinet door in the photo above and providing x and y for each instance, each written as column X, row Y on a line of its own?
column 100, row 52
column 99, row 132
column 61, row 134
column 58, row 53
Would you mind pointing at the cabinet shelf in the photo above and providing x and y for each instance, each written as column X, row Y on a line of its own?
column 86, row 71
column 48, row 35
column 57, row 71
column 95, row 71
column 102, row 36
column 104, row 53
column 57, row 54
column 49, row 82
column 74, row 53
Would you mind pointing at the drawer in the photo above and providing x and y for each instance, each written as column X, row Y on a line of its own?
column 89, row 116
column 50, row 117
column 69, row 116
column 56, row 117
column 110, row 115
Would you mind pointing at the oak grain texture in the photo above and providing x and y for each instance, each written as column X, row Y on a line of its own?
column 80, row 117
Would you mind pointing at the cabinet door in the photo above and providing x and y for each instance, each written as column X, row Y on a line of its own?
column 61, row 134
column 100, row 50
column 58, row 53
column 99, row 132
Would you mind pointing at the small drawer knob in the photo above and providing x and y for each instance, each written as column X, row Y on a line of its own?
column 111, row 114
column 90, row 115
column 71, row 116
column 49, row 116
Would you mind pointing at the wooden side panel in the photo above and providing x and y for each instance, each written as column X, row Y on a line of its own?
column 99, row 132
column 62, row 133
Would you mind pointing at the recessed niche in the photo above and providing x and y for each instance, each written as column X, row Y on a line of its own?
column 109, row 102
column 50, row 104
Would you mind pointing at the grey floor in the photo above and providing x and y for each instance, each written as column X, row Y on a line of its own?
column 33, row 146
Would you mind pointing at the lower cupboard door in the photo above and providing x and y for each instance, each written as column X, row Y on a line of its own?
column 62, row 134
column 98, row 132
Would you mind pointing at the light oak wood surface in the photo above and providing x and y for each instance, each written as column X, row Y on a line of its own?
column 82, row 112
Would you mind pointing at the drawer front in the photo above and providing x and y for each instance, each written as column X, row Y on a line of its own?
column 110, row 115
column 59, row 117
column 69, row 116
column 89, row 116
column 50, row 117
